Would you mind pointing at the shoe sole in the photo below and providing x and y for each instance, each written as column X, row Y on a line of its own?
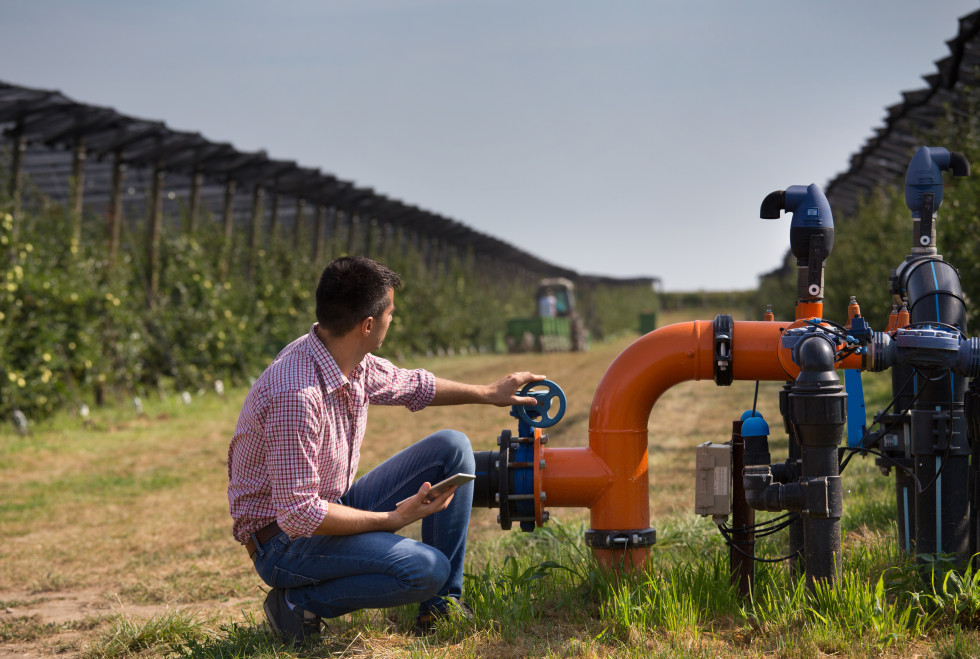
column 271, row 619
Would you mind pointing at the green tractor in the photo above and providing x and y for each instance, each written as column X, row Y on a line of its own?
column 557, row 326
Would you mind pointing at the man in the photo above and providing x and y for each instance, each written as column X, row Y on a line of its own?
column 325, row 543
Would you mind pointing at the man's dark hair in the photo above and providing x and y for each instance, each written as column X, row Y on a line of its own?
column 351, row 289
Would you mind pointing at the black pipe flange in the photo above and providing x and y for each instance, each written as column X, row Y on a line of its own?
column 503, row 473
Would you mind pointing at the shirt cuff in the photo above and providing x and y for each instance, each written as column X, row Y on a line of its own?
column 425, row 393
column 302, row 524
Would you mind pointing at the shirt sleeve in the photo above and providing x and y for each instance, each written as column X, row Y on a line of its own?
column 293, row 446
column 386, row 384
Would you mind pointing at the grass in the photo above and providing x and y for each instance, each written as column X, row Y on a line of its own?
column 128, row 514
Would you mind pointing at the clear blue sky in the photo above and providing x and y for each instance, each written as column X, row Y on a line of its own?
column 622, row 138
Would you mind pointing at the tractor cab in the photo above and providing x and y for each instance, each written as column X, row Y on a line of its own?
column 556, row 325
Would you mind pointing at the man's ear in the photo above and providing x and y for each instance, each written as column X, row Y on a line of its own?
column 367, row 325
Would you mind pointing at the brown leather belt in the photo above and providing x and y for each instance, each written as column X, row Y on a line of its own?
column 263, row 536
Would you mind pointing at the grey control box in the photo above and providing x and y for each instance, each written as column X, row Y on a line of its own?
column 712, row 493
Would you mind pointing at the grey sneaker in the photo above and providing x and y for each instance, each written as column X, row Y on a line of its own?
column 293, row 626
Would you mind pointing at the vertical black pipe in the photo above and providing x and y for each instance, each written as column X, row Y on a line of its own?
column 797, row 562
column 971, row 404
column 818, row 411
column 897, row 452
column 742, row 551
column 938, row 430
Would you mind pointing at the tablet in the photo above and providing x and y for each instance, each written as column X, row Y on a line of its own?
column 442, row 486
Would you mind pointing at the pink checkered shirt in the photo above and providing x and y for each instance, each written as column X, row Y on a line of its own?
column 298, row 439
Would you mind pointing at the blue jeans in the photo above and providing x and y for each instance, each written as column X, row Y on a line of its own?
column 334, row 575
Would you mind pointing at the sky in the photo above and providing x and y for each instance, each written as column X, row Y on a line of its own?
column 620, row 138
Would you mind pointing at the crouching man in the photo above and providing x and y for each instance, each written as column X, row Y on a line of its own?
column 326, row 543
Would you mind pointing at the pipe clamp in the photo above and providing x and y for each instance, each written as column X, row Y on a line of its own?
column 627, row 539
column 724, row 329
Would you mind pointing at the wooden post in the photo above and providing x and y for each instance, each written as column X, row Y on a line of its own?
column 369, row 236
column 77, row 188
column 153, row 234
column 258, row 199
column 335, row 232
column 274, row 218
column 318, row 229
column 741, row 553
column 17, row 180
column 352, row 223
column 228, row 221
column 398, row 243
column 115, row 217
column 297, row 231
column 197, row 180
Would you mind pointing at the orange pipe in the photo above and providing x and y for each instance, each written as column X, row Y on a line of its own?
column 572, row 477
column 808, row 309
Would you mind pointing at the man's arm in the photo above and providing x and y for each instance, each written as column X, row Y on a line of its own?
column 344, row 520
column 501, row 393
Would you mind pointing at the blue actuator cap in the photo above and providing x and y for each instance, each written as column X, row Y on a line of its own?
column 755, row 426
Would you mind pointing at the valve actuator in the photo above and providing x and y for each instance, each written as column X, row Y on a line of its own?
column 811, row 233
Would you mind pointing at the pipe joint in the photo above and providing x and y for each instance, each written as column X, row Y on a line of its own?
column 823, row 497
column 761, row 493
column 815, row 354
column 785, row 472
column 925, row 347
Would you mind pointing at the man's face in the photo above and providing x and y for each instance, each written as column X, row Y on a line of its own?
column 380, row 328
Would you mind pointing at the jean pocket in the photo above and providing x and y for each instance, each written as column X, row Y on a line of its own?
column 285, row 579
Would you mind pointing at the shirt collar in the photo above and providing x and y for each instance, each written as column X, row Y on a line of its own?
column 335, row 378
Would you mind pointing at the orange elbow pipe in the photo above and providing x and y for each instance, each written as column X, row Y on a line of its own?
column 625, row 397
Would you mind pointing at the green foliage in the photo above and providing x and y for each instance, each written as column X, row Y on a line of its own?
column 234, row 640
column 777, row 289
column 958, row 226
column 708, row 300
column 955, row 596
column 612, row 309
column 77, row 325
column 867, row 247
column 66, row 323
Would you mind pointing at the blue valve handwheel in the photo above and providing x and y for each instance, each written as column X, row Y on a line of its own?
column 542, row 415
